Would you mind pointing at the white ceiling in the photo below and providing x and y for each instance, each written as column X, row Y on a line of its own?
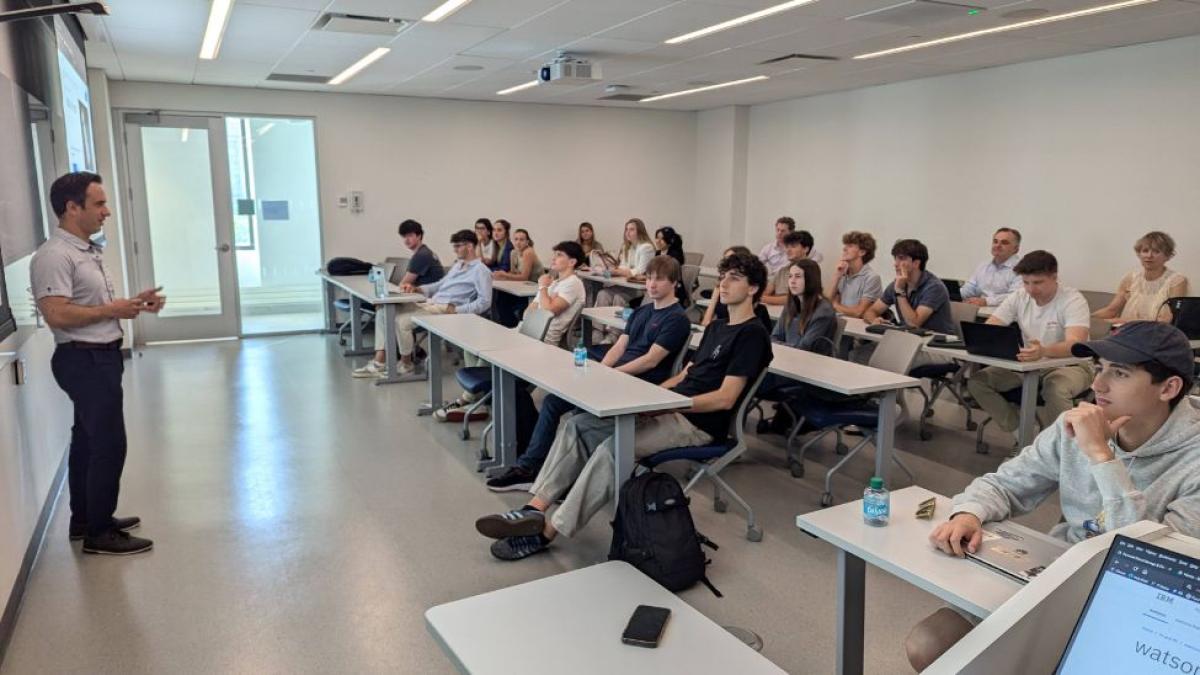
column 158, row 40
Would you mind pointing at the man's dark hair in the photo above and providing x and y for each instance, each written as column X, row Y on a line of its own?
column 1037, row 262
column 464, row 237
column 748, row 265
column 71, row 187
column 411, row 227
column 864, row 241
column 572, row 250
column 1012, row 231
column 1159, row 374
column 664, row 267
column 802, row 237
column 787, row 220
column 486, row 223
column 739, row 249
column 912, row 249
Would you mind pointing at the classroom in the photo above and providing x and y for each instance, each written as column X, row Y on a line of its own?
column 599, row 336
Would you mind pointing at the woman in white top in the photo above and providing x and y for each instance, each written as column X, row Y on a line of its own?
column 636, row 252
column 1141, row 294
column 487, row 247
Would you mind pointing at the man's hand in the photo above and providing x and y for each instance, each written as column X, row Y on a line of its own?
column 1092, row 430
column 978, row 302
column 901, row 283
column 408, row 288
column 840, row 270
column 949, row 536
column 1032, row 351
column 151, row 300
column 877, row 321
column 544, row 281
column 125, row 308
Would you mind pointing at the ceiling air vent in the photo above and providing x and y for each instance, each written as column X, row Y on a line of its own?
column 919, row 12
column 303, row 79
column 362, row 25
column 623, row 97
column 799, row 57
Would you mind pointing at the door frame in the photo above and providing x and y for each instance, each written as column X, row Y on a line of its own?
column 227, row 324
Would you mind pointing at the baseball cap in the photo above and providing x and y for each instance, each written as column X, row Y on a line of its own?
column 1139, row 342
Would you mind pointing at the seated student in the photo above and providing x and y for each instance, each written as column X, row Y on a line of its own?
column 774, row 255
column 995, row 279
column 855, row 285
column 579, row 468
column 424, row 267
column 587, row 239
column 503, row 243
column 523, row 266
column 1134, row 455
column 668, row 242
column 717, row 311
column 636, row 252
column 1052, row 319
column 920, row 298
column 1142, row 293
column 797, row 245
column 465, row 289
column 487, row 247
column 653, row 337
column 808, row 322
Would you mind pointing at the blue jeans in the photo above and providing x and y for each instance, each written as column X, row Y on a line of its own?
column 553, row 408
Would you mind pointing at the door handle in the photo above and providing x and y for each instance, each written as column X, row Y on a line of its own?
column 224, row 248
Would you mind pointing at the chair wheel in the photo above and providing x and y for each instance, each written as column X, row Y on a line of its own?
column 754, row 534
column 972, row 426
column 981, row 448
column 720, row 506
column 925, row 434
column 826, row 499
column 842, row 448
column 796, row 467
column 465, row 434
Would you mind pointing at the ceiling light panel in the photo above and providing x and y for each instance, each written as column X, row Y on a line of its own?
column 359, row 65
column 739, row 21
column 520, row 87
column 214, row 28
column 698, row 90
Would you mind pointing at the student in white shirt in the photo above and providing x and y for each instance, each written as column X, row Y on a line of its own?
column 1052, row 319
column 562, row 296
column 1141, row 295
column 995, row 279
column 637, row 250
column 774, row 255
column 487, row 247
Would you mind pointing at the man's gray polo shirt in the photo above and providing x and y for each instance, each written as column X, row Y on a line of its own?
column 69, row 267
column 865, row 285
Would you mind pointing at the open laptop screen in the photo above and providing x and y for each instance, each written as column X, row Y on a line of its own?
column 1143, row 615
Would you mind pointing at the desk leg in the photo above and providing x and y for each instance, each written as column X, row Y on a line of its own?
column 330, row 312
column 623, row 454
column 852, row 580
column 885, row 436
column 434, row 367
column 356, row 336
column 504, row 416
column 389, row 344
column 1028, row 420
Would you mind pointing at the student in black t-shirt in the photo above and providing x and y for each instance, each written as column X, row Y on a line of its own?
column 717, row 311
column 655, row 334
column 424, row 267
column 579, row 468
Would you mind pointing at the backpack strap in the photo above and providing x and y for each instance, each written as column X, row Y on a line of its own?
column 704, row 580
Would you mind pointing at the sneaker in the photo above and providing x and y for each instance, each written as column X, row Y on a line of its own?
column 515, row 479
column 78, row 531
column 518, row 523
column 516, row 548
column 460, row 413
column 372, row 369
column 116, row 542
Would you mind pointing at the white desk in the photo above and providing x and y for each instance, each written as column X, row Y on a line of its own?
column 578, row 618
column 848, row 378
column 594, row 388
column 520, row 289
column 902, row 549
column 609, row 318
column 471, row 332
column 774, row 311
column 613, row 281
column 360, row 291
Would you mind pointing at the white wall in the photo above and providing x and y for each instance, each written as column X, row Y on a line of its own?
column 1083, row 154
column 445, row 163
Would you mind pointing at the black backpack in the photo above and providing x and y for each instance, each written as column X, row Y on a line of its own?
column 654, row 532
column 343, row 266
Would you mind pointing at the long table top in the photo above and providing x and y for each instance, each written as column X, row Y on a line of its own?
column 521, row 289
column 613, row 281
column 471, row 332
column 357, row 285
column 833, row 374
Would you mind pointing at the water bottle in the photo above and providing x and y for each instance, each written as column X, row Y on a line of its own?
column 876, row 503
column 581, row 355
column 375, row 276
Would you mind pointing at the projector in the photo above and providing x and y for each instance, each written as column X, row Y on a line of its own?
column 567, row 69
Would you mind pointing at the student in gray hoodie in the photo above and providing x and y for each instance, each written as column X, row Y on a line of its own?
column 1133, row 455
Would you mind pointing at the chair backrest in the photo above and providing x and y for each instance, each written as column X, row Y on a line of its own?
column 1097, row 299
column 960, row 312
column 398, row 268
column 690, row 274
column 681, row 356
column 896, row 351
column 737, row 428
column 1185, row 315
column 693, row 258
column 838, row 331
column 536, row 323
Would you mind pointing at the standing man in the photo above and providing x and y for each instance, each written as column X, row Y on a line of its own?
column 75, row 295
column 995, row 279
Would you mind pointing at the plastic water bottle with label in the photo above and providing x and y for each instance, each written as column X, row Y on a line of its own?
column 375, row 276
column 877, row 503
column 581, row 356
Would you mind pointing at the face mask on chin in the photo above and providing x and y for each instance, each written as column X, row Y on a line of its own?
column 99, row 240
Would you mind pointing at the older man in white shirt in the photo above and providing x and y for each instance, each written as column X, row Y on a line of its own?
column 995, row 279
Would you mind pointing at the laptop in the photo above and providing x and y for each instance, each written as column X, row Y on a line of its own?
column 954, row 287
column 1141, row 616
column 998, row 342
column 1016, row 551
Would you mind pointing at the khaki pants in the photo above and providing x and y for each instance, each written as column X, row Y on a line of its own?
column 1058, row 388
column 583, row 454
column 404, row 324
column 612, row 296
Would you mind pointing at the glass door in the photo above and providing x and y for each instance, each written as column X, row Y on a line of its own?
column 182, row 225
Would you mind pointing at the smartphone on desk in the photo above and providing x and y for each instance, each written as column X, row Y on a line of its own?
column 646, row 625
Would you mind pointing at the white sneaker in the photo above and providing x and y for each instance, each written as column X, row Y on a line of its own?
column 372, row 369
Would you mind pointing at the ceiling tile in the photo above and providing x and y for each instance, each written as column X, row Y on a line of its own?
column 178, row 16
column 505, row 14
column 1133, row 32
column 310, row 5
column 674, row 20
column 993, row 55
column 231, row 73
column 520, row 43
column 398, row 9
column 246, row 40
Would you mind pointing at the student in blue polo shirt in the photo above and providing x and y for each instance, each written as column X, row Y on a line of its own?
column 658, row 329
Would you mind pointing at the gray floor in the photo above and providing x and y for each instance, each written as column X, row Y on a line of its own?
column 304, row 521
